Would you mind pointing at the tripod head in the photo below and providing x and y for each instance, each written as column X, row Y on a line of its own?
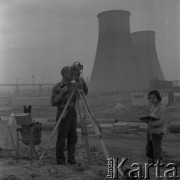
column 77, row 69
column 79, row 83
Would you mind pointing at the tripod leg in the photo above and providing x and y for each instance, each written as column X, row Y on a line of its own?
column 31, row 152
column 56, row 127
column 88, row 109
column 85, row 135
column 17, row 148
column 87, row 143
column 80, row 117
column 12, row 138
column 94, row 123
column 35, row 152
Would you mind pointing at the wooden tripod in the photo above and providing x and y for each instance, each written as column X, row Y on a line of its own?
column 94, row 123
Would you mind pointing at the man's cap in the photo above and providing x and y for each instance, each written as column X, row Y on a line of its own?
column 65, row 69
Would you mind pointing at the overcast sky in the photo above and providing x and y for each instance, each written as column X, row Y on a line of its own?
column 38, row 37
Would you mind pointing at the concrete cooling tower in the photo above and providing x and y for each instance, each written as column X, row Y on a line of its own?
column 114, row 68
column 146, row 56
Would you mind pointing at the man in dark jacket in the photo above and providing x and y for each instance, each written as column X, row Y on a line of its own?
column 67, row 128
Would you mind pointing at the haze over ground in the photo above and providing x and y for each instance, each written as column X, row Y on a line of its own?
column 38, row 37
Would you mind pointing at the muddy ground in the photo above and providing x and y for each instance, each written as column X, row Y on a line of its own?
column 118, row 145
column 124, row 145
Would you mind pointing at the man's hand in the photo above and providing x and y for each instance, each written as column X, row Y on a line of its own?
column 64, row 90
column 57, row 93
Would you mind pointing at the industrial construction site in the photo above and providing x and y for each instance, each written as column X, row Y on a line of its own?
column 124, row 136
column 126, row 67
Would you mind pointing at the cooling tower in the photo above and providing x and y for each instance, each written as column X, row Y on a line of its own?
column 145, row 55
column 114, row 69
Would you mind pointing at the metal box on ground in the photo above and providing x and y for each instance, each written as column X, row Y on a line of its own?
column 23, row 119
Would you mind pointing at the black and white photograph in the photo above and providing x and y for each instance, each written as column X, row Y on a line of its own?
column 89, row 89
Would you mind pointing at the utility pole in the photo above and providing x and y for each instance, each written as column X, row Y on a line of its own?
column 33, row 83
column 17, row 87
